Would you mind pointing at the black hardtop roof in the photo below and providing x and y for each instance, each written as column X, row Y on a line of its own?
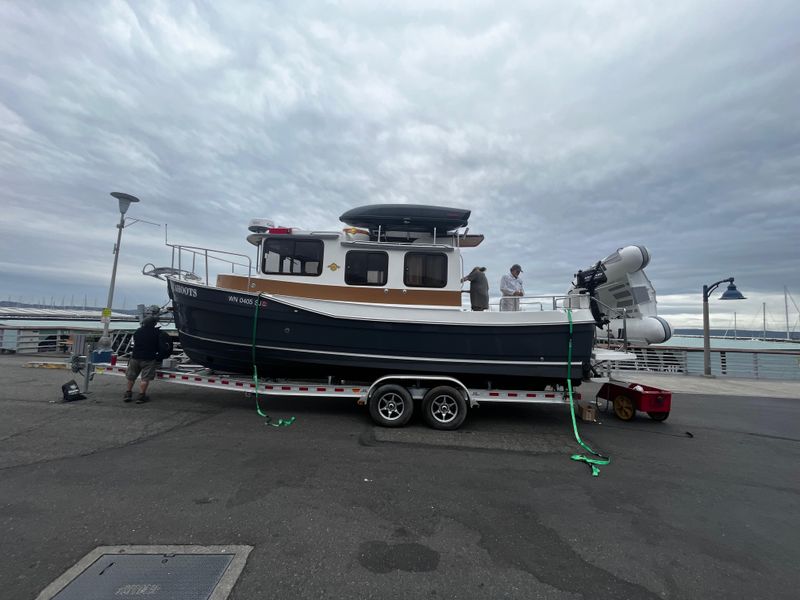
column 406, row 217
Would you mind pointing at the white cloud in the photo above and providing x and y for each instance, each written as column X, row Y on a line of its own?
column 569, row 129
column 185, row 37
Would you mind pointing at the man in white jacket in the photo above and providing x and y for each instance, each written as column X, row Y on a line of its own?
column 511, row 288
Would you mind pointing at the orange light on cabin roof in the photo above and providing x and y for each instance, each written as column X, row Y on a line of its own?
column 354, row 230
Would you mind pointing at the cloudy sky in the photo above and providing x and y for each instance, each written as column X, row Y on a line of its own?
column 569, row 128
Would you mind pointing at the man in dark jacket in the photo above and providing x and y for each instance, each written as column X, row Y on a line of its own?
column 478, row 288
column 144, row 359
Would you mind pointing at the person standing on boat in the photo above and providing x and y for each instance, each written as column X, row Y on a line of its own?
column 478, row 288
column 511, row 288
column 144, row 359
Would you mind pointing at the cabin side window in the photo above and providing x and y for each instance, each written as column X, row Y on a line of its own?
column 292, row 257
column 425, row 269
column 366, row 268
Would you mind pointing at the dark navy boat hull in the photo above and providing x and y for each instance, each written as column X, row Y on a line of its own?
column 216, row 329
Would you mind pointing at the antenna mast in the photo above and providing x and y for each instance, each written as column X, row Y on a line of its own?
column 786, row 307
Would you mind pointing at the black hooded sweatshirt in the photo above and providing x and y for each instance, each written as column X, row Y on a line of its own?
column 145, row 343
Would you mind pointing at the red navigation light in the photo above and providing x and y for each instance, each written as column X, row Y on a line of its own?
column 279, row 230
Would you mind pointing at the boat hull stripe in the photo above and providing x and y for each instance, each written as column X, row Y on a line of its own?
column 575, row 364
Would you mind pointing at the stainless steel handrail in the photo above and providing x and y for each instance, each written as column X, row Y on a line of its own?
column 541, row 300
column 209, row 253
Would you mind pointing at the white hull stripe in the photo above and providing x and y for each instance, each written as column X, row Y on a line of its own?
column 298, row 305
column 390, row 357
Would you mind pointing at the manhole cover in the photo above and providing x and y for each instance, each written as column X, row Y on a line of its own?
column 153, row 572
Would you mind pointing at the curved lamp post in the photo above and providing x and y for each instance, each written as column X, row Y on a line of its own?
column 125, row 201
column 730, row 294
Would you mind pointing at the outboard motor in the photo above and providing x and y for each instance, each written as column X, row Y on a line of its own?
column 623, row 301
column 587, row 282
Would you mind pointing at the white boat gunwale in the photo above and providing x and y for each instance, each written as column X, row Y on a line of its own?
column 413, row 311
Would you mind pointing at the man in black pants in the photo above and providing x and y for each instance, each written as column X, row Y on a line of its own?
column 144, row 359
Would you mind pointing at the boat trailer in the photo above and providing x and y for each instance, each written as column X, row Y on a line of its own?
column 445, row 401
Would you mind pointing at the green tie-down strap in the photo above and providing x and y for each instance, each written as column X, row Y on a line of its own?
column 592, row 462
column 261, row 413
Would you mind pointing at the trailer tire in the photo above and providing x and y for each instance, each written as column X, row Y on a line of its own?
column 444, row 407
column 391, row 405
column 624, row 407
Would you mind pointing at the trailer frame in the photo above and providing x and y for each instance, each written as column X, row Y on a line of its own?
column 390, row 398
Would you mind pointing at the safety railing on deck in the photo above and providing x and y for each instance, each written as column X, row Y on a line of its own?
column 541, row 303
column 750, row 363
column 186, row 258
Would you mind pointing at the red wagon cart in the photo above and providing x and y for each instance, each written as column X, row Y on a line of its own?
column 627, row 398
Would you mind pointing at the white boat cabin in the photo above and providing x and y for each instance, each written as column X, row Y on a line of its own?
column 416, row 264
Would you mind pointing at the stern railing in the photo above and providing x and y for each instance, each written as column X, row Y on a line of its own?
column 542, row 303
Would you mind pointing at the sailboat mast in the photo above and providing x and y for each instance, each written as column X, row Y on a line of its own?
column 786, row 307
column 764, row 308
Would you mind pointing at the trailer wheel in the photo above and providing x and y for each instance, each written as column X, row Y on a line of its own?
column 624, row 407
column 444, row 407
column 659, row 416
column 391, row 406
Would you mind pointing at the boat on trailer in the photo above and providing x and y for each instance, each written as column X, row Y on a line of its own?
column 380, row 296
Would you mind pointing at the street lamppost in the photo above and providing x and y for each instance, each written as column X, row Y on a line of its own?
column 730, row 294
column 125, row 201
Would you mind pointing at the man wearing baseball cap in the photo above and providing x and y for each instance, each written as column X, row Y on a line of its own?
column 511, row 288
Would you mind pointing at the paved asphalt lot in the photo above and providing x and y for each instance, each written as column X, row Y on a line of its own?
column 337, row 508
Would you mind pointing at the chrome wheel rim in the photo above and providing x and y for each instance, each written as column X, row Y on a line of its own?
column 391, row 406
column 444, row 408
